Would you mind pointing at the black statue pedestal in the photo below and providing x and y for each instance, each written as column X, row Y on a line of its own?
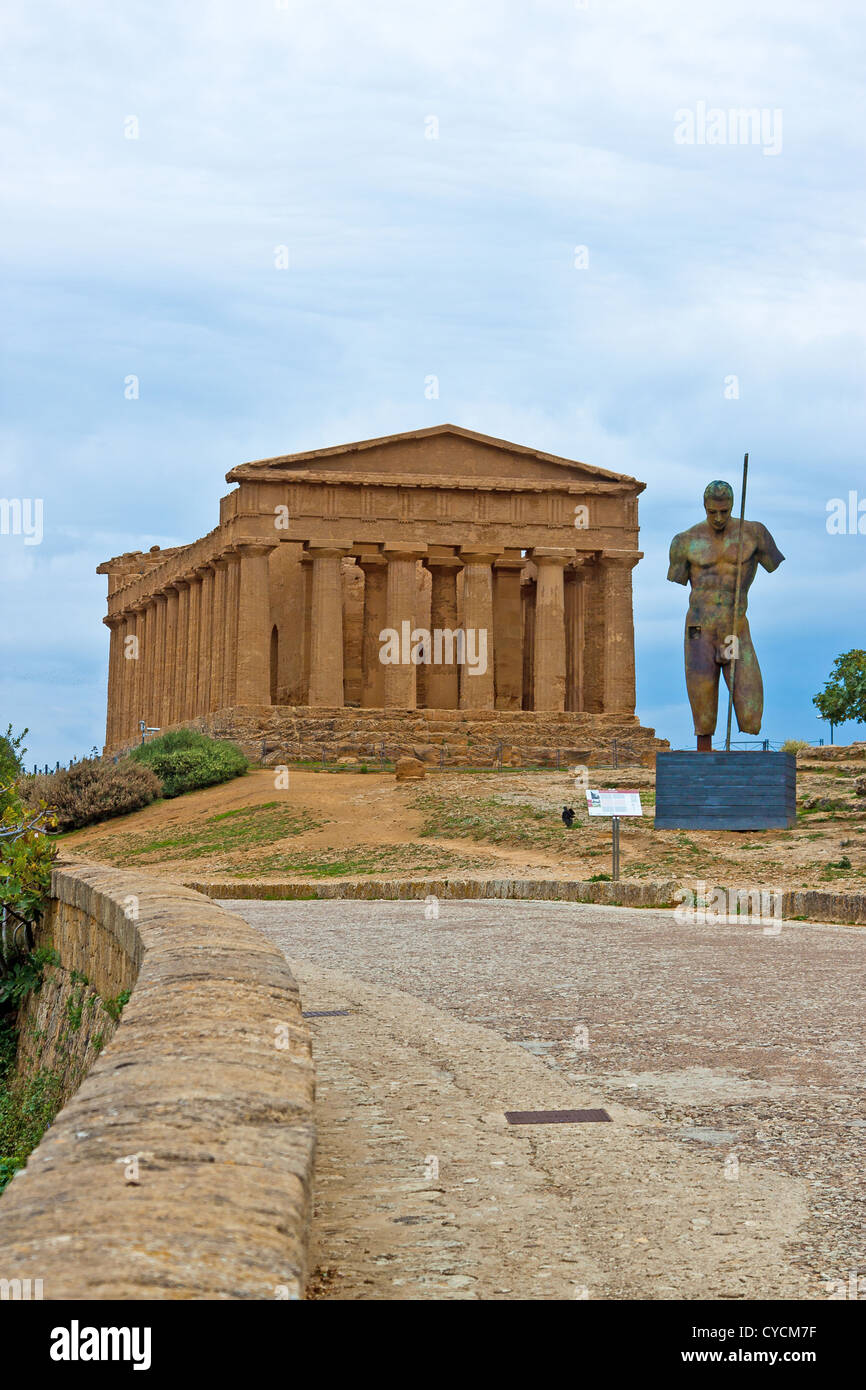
column 726, row 791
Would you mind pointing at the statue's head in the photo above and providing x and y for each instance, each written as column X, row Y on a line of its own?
column 718, row 503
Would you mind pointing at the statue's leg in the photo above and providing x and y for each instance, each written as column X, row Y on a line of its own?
column 748, row 685
column 702, row 679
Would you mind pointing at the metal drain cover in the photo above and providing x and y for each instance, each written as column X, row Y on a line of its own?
column 556, row 1117
column 327, row 1013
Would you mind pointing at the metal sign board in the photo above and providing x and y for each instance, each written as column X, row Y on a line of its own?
column 556, row 1117
column 613, row 803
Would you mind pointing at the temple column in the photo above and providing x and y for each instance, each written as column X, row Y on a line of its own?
column 232, row 603
column 170, row 676
column 205, row 639
column 326, row 626
column 218, row 646
column 182, row 660
column 508, row 633
column 619, row 680
column 443, row 680
column 528, row 586
column 129, row 665
column 139, row 700
column 192, row 658
column 549, row 675
column 477, row 688
column 307, row 632
column 159, row 661
column 575, row 612
column 594, row 626
column 401, row 676
column 148, row 662
column 111, row 723
column 375, row 569
column 253, row 665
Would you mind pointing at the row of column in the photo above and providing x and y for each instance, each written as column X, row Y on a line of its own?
column 203, row 641
column 536, row 634
column 176, row 654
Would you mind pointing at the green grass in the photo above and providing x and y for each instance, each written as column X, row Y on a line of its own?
column 390, row 859
column 248, row 827
column 492, row 820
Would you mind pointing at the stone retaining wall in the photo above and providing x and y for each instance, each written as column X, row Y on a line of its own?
column 812, row 905
column 182, row 1167
column 612, row 894
column 64, row 1026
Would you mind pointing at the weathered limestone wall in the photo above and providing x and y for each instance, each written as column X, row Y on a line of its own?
column 64, row 1026
column 207, row 1084
column 466, row 737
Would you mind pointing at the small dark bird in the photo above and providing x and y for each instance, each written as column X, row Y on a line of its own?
column 567, row 816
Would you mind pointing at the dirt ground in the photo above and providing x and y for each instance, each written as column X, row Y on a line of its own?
column 498, row 824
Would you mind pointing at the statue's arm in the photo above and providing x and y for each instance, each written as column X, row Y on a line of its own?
column 678, row 570
column 768, row 553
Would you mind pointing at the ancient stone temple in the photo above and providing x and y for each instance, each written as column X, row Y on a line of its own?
column 429, row 581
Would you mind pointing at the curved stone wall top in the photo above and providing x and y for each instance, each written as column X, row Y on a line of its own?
column 182, row 1166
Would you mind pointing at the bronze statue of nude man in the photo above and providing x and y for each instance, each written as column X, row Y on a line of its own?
column 706, row 557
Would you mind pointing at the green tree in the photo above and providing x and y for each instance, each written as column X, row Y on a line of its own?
column 844, row 695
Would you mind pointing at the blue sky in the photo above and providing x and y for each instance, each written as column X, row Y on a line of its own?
column 305, row 126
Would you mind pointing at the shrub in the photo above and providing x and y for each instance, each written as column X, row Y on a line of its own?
column 185, row 760
column 26, row 856
column 93, row 790
column 24, row 976
column 27, row 1107
column 11, row 753
column 795, row 745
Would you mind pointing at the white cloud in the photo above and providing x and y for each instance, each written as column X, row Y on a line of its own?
column 305, row 126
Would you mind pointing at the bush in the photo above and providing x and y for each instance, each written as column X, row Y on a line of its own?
column 11, row 753
column 26, row 856
column 27, row 1107
column 185, row 760
column 795, row 745
column 93, row 790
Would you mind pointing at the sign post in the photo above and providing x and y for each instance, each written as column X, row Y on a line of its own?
column 615, row 804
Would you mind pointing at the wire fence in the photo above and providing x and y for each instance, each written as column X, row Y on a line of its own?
column 384, row 754
column 46, row 768
column 769, row 745
column 387, row 754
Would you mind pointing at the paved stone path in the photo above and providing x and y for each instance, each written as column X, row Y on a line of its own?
column 730, row 1061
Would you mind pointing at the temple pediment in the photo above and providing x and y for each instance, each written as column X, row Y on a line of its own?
column 441, row 452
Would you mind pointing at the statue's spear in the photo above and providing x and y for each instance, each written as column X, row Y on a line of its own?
column 737, row 603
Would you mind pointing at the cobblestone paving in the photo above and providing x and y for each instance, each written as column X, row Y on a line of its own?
column 731, row 1062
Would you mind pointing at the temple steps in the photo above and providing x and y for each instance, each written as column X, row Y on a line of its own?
column 290, row 733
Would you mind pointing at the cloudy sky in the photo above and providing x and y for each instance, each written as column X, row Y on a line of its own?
column 156, row 156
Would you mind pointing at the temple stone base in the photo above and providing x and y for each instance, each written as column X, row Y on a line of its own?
column 453, row 738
